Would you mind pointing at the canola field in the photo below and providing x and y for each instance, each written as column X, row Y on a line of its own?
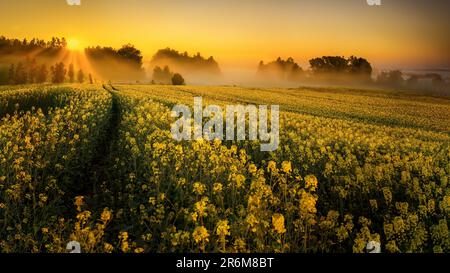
column 98, row 165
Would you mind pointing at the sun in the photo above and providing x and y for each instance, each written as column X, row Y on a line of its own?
column 73, row 44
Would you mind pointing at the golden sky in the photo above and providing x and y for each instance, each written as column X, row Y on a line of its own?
column 398, row 34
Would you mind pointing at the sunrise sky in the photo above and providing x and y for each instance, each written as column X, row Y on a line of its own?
column 398, row 34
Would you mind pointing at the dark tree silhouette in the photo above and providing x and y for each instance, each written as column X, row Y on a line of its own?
column 11, row 74
column 359, row 66
column 162, row 75
column 91, row 81
column 80, row 76
column 129, row 52
column 127, row 62
column 185, row 63
column 329, row 64
column 177, row 79
column 71, row 73
column 25, row 47
column 32, row 70
column 166, row 71
column 42, row 74
column 20, row 75
column 280, row 69
column 58, row 73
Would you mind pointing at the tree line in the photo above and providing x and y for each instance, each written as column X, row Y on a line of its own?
column 25, row 46
column 338, row 69
column 324, row 66
column 123, row 63
column 30, row 72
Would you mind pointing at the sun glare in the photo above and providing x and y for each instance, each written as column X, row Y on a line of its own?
column 73, row 44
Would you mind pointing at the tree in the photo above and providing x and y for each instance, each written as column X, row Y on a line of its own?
column 71, row 73
column 127, row 62
column 280, row 70
column 129, row 52
column 157, row 73
column 329, row 64
column 185, row 63
column 42, row 74
column 394, row 78
column 162, row 75
column 80, row 76
column 58, row 73
column 32, row 70
column 177, row 79
column 20, row 75
column 166, row 72
column 11, row 74
column 91, row 81
column 359, row 66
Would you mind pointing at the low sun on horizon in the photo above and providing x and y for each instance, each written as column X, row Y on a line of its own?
column 73, row 44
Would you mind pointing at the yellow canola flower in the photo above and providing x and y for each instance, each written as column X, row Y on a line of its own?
column 223, row 229
column 311, row 182
column 200, row 235
column 278, row 223
column 106, row 215
column 272, row 166
column 198, row 188
column 79, row 202
column 286, row 166
column 217, row 188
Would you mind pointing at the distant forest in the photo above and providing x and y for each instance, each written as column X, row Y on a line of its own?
column 33, row 46
column 352, row 70
column 20, row 57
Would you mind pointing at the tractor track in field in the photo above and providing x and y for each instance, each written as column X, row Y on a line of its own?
column 97, row 172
